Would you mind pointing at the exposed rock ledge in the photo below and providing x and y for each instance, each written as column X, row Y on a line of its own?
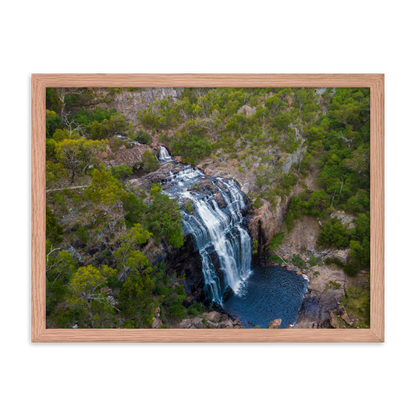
column 327, row 287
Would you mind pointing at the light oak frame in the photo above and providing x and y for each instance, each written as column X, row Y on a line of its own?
column 42, row 81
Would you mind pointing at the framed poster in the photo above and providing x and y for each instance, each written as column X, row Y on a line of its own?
column 273, row 93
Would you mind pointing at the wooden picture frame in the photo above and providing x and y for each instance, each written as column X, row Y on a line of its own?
column 42, row 81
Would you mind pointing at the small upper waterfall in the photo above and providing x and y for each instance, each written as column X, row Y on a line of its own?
column 164, row 155
column 212, row 213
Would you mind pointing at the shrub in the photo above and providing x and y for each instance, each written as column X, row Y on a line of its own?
column 189, row 206
column 150, row 163
column 143, row 137
column 337, row 262
column 333, row 234
column 192, row 148
column 351, row 269
column 82, row 234
column 53, row 230
column 277, row 241
column 122, row 172
column 195, row 309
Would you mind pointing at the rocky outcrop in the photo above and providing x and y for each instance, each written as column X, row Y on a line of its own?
column 333, row 319
column 214, row 316
column 325, row 291
column 157, row 323
column 247, row 110
column 74, row 254
column 217, row 320
column 342, row 255
column 344, row 315
column 129, row 102
column 123, row 156
column 346, row 220
column 293, row 158
column 158, row 176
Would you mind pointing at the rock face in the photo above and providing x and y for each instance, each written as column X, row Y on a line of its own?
column 292, row 159
column 129, row 102
column 265, row 222
column 275, row 324
column 123, row 156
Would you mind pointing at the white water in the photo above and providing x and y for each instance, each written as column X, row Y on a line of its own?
column 164, row 155
column 215, row 229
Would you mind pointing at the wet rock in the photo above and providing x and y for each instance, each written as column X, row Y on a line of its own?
column 228, row 293
column 220, row 200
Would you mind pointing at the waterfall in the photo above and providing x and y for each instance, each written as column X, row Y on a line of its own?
column 216, row 225
column 164, row 155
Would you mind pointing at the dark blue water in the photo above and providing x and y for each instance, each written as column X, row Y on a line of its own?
column 269, row 293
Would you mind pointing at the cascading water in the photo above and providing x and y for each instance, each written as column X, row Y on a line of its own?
column 164, row 155
column 213, row 211
column 212, row 214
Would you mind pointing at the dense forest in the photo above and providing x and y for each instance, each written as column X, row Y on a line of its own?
column 102, row 235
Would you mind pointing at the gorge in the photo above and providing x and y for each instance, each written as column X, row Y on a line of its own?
column 207, row 207
column 213, row 213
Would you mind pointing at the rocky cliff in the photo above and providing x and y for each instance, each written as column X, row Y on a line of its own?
column 129, row 102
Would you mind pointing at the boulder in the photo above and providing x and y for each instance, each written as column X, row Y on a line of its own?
column 214, row 316
column 227, row 324
column 343, row 314
column 134, row 183
column 197, row 323
column 74, row 254
column 247, row 110
column 185, row 323
column 333, row 319
column 275, row 324
column 342, row 255
column 228, row 293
